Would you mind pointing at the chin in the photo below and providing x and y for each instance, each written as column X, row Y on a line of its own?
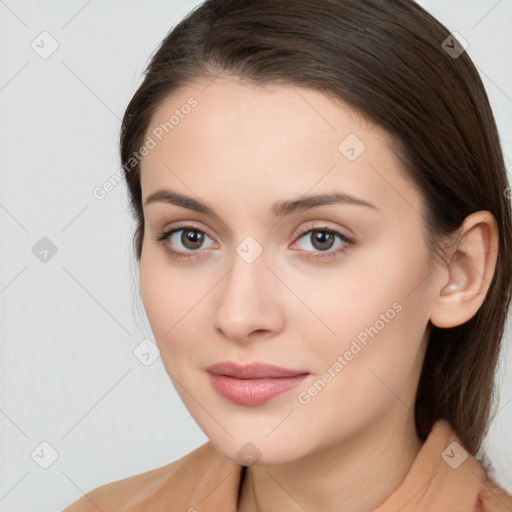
column 257, row 452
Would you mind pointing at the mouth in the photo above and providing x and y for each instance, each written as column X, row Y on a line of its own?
column 252, row 384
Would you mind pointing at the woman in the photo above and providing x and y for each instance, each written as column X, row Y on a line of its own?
column 324, row 237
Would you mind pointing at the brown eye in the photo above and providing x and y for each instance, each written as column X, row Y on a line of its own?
column 192, row 238
column 184, row 241
column 322, row 240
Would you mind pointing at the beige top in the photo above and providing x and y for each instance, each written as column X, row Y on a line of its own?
column 205, row 481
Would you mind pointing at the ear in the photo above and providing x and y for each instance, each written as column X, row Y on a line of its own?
column 470, row 268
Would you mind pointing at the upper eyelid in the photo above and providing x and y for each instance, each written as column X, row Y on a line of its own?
column 320, row 224
column 187, row 225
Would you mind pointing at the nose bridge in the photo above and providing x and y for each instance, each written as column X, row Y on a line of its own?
column 247, row 300
column 247, row 277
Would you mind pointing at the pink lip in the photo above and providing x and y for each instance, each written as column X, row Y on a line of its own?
column 252, row 384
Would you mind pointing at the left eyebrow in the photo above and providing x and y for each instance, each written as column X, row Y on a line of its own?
column 283, row 208
column 279, row 209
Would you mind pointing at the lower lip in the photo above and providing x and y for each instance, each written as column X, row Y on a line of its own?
column 253, row 391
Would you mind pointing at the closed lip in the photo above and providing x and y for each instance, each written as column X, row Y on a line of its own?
column 252, row 370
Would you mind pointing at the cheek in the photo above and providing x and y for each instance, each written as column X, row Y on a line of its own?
column 377, row 312
column 374, row 280
column 158, row 302
column 163, row 295
column 173, row 300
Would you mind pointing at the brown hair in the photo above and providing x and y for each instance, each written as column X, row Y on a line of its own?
column 386, row 59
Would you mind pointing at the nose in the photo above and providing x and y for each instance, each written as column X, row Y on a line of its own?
column 249, row 301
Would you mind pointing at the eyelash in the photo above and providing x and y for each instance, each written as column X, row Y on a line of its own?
column 164, row 235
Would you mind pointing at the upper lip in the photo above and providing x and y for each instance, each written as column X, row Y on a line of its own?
column 252, row 371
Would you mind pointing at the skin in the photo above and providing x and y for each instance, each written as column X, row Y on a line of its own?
column 240, row 150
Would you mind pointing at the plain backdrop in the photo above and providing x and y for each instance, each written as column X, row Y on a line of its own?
column 73, row 395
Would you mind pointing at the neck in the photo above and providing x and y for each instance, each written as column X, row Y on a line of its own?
column 348, row 476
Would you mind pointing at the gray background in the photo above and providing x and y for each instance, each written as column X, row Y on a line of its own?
column 69, row 326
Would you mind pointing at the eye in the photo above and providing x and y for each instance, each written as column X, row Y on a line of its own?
column 189, row 237
column 323, row 239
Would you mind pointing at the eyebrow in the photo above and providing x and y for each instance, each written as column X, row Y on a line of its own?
column 279, row 209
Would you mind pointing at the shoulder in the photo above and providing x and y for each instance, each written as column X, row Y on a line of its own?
column 494, row 498
column 181, row 483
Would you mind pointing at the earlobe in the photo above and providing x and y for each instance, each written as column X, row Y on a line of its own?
column 470, row 271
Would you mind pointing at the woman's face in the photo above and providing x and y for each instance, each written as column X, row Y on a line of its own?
column 338, row 291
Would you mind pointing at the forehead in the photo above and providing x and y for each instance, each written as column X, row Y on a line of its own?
column 222, row 107
column 226, row 139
